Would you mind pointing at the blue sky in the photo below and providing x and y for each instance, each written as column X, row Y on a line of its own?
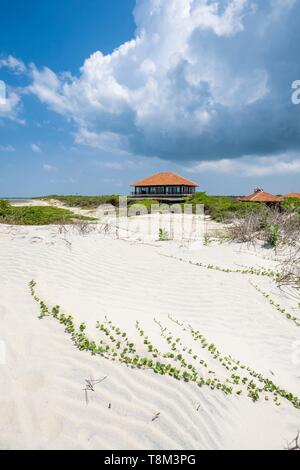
column 99, row 94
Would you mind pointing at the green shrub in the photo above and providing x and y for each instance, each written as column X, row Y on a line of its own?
column 92, row 202
column 264, row 220
column 222, row 208
column 85, row 202
column 36, row 215
column 163, row 235
column 274, row 237
column 5, row 207
column 292, row 205
column 148, row 203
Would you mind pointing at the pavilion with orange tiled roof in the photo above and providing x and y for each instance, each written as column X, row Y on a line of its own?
column 292, row 195
column 164, row 185
column 262, row 196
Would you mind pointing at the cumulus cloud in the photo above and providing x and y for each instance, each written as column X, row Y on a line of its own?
column 10, row 105
column 250, row 166
column 201, row 80
column 35, row 148
column 107, row 141
column 13, row 64
column 10, row 99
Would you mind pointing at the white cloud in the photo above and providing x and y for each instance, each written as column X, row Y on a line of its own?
column 13, row 64
column 160, row 82
column 49, row 168
column 114, row 165
column 10, row 99
column 9, row 107
column 201, row 79
column 278, row 7
column 118, row 165
column 7, row 148
column 47, row 86
column 107, row 141
column 35, row 148
column 250, row 166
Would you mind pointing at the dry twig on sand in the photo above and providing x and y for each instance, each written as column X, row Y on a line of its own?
column 156, row 417
column 90, row 387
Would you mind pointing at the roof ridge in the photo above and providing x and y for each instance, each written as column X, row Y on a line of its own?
column 165, row 178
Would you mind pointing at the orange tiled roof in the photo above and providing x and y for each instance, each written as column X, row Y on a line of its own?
column 261, row 196
column 294, row 195
column 164, row 179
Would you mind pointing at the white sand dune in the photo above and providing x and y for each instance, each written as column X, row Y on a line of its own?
column 42, row 400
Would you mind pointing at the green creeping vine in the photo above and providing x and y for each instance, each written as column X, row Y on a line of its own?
column 236, row 367
column 254, row 271
column 191, row 373
column 178, row 362
column 248, row 271
column 278, row 307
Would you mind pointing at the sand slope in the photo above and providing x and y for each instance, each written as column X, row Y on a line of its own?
column 42, row 402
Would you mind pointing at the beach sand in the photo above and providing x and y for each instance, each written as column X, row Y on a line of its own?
column 42, row 376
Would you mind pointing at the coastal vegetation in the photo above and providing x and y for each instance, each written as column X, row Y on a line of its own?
column 288, row 275
column 36, row 215
column 204, row 366
column 226, row 209
column 275, row 226
column 219, row 208
column 163, row 235
column 223, row 208
column 83, row 202
column 93, row 202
